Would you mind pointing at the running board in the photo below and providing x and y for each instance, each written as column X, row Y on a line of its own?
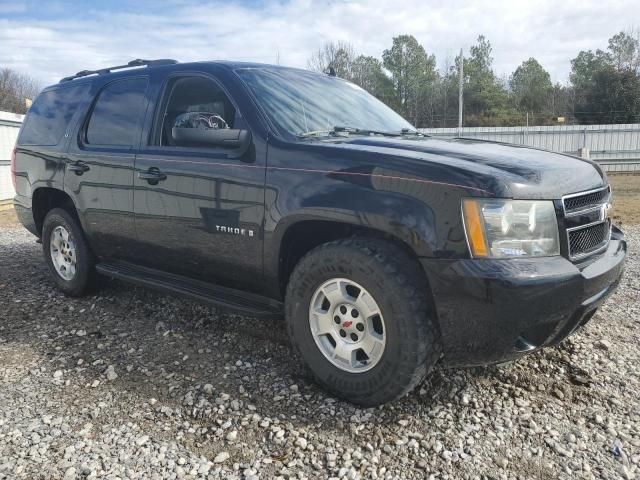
column 227, row 298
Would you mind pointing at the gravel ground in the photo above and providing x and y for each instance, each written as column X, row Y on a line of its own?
column 132, row 384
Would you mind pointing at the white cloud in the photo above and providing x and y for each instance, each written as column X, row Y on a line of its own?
column 549, row 30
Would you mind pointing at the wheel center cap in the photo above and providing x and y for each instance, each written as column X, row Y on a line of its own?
column 348, row 325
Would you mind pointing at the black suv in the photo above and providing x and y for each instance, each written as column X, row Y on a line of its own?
column 275, row 190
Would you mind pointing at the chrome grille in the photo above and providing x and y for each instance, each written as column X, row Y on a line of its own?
column 588, row 239
column 587, row 222
column 586, row 200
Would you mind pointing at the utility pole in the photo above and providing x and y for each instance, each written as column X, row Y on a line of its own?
column 460, row 94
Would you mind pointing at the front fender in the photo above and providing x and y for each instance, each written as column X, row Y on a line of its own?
column 423, row 215
column 392, row 214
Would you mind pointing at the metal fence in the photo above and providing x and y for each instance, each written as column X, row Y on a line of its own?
column 9, row 127
column 615, row 147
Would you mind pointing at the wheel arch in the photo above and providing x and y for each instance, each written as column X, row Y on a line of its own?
column 44, row 199
column 302, row 236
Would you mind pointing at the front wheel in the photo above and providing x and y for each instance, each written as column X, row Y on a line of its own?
column 357, row 311
column 67, row 253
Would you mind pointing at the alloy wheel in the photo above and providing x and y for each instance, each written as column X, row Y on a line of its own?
column 63, row 253
column 347, row 325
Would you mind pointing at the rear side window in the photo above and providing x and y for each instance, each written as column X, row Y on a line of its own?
column 115, row 119
column 50, row 114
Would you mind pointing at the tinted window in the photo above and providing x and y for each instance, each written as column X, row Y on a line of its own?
column 50, row 114
column 115, row 119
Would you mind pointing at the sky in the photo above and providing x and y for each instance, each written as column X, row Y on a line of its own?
column 52, row 39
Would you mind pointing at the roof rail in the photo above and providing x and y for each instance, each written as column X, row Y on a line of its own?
column 133, row 63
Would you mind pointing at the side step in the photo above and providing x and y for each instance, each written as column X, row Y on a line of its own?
column 227, row 298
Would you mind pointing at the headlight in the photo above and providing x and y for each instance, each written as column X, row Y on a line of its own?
column 511, row 228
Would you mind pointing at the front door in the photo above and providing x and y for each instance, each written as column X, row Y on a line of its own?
column 199, row 208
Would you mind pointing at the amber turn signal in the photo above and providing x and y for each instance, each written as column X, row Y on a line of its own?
column 474, row 227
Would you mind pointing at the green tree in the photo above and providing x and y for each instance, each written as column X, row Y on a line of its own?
column 624, row 51
column 531, row 87
column 614, row 97
column 367, row 72
column 413, row 73
column 485, row 96
column 584, row 66
column 606, row 84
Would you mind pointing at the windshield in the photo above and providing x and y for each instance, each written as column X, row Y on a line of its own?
column 302, row 103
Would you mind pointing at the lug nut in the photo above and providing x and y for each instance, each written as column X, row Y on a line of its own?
column 360, row 327
column 354, row 337
column 336, row 319
column 343, row 309
column 343, row 333
column 355, row 313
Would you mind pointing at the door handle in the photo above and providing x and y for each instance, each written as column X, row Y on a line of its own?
column 153, row 176
column 78, row 167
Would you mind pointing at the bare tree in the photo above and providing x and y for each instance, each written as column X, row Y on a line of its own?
column 15, row 89
column 339, row 55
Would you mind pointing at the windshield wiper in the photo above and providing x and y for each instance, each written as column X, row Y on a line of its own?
column 334, row 132
column 343, row 129
column 314, row 133
column 364, row 131
column 409, row 131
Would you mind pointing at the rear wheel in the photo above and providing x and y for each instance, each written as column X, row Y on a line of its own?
column 67, row 253
column 357, row 311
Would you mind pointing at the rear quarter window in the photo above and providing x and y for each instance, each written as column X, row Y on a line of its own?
column 50, row 114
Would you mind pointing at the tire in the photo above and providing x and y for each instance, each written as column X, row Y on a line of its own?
column 398, row 287
column 77, row 250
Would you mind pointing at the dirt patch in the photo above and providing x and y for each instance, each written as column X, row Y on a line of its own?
column 626, row 199
column 8, row 218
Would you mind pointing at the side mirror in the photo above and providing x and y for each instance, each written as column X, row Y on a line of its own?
column 214, row 137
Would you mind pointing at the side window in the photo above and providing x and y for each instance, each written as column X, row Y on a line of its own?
column 194, row 103
column 50, row 114
column 116, row 115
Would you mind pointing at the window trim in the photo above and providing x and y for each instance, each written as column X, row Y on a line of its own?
column 153, row 139
column 82, row 131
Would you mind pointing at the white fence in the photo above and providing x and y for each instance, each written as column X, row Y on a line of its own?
column 615, row 147
column 9, row 127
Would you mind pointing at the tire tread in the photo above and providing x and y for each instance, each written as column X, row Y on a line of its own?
column 421, row 351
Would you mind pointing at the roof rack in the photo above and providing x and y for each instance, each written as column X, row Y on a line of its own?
column 133, row 63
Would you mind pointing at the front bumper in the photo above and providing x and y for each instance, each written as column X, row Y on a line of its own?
column 494, row 310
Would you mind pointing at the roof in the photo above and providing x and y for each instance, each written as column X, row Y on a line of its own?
column 134, row 67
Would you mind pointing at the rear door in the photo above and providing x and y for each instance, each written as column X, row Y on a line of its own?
column 100, row 163
column 199, row 209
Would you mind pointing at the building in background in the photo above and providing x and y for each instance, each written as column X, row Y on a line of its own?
column 9, row 127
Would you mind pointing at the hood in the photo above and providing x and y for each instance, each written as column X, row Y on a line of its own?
column 505, row 170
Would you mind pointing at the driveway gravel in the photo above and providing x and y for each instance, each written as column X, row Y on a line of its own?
column 134, row 384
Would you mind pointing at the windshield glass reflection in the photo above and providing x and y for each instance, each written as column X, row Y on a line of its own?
column 299, row 102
